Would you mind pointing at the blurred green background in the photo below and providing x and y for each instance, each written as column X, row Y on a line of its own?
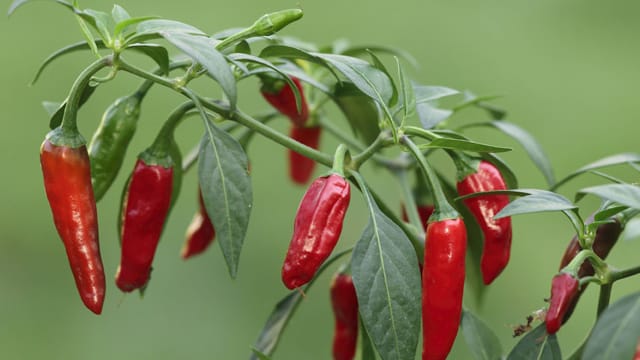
column 569, row 74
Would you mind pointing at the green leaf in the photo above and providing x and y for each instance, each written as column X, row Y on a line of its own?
column 463, row 145
column 56, row 118
column 18, row 3
column 152, row 29
column 360, row 110
column 507, row 173
column 362, row 49
column 605, row 214
column 528, row 142
column 51, row 107
column 631, row 230
column 539, row 201
column 624, row 194
column 367, row 350
column 63, row 51
column 226, row 190
column 615, row 335
column 101, row 21
column 123, row 25
column 429, row 115
column 617, row 159
column 202, row 50
column 290, row 52
column 88, row 36
column 430, row 93
column 537, row 345
column 471, row 99
column 408, row 96
column 387, row 281
column 481, row 340
column 276, row 323
column 119, row 14
column 393, row 100
column 157, row 53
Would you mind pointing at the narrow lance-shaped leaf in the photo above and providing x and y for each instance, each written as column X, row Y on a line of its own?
column 539, row 201
column 56, row 118
column 463, row 145
column 226, row 190
column 83, row 45
column 616, row 159
column 378, row 64
column 481, row 340
column 625, row 194
column 119, row 14
column 430, row 115
column 615, row 335
column 408, row 96
column 536, row 345
column 18, row 3
column 156, row 52
column 202, row 50
column 387, row 282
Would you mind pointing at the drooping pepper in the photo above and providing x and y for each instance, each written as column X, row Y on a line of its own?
column 300, row 166
column 344, row 303
column 280, row 95
column 200, row 233
column 316, row 229
column 110, row 141
column 442, row 286
column 497, row 233
column 67, row 182
column 564, row 287
column 606, row 237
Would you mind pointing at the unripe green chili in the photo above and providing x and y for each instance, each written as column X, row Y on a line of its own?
column 316, row 229
column 110, row 141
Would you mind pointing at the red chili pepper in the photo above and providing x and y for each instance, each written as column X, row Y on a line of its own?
column 606, row 237
column 345, row 311
column 564, row 287
column 280, row 95
column 146, row 206
column 442, row 286
column 67, row 182
column 637, row 354
column 316, row 229
column 300, row 166
column 200, row 233
column 497, row 233
column 424, row 211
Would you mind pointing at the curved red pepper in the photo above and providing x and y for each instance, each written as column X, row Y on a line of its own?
column 316, row 229
column 67, row 182
column 442, row 286
column 146, row 206
column 606, row 237
column 564, row 287
column 497, row 233
column 344, row 303
column 280, row 95
column 200, row 233
column 300, row 166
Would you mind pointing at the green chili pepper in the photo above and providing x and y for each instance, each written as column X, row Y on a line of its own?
column 109, row 143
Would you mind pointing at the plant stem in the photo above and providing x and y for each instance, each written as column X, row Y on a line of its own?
column 381, row 141
column 69, row 118
column 622, row 274
column 605, row 296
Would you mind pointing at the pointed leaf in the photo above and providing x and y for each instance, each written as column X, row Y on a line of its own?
column 429, row 115
column 624, row 194
column 367, row 350
column 536, row 345
column 617, row 159
column 88, row 36
column 463, row 145
column 226, row 190
column 63, row 51
column 151, row 29
column 260, row 355
column 119, row 14
column 393, row 100
column 408, row 96
column 631, row 230
column 481, row 340
column 202, row 50
column 387, row 282
column 157, row 53
column 18, row 3
column 56, row 118
column 290, row 52
column 615, row 335
column 430, row 93
column 123, row 25
column 358, row 50
column 101, row 21
column 540, row 201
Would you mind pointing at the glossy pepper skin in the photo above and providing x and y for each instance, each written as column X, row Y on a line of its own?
column 200, row 233
column 606, row 237
column 497, row 233
column 442, row 286
column 344, row 303
column 301, row 167
column 145, row 209
column 67, row 182
column 564, row 287
column 280, row 95
column 110, row 141
column 316, row 229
